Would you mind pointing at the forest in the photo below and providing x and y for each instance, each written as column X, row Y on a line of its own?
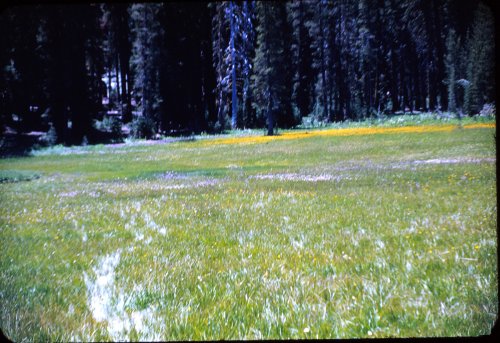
column 84, row 71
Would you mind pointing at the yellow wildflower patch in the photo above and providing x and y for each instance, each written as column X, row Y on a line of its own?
column 342, row 132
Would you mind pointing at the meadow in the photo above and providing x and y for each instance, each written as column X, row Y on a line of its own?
column 375, row 231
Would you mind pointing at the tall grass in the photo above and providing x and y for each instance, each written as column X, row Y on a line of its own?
column 327, row 236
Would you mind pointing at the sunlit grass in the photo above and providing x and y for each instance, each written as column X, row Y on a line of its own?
column 327, row 235
column 355, row 131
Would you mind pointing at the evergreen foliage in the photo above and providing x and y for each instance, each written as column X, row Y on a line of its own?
column 147, row 57
column 299, row 13
column 451, row 69
column 196, row 67
column 272, row 78
column 481, row 54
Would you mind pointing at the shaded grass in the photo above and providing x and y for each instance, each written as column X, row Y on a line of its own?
column 17, row 175
column 391, row 248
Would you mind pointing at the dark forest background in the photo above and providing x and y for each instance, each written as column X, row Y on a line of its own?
column 84, row 71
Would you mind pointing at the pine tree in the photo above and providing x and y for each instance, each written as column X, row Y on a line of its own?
column 117, row 51
column 451, row 65
column 320, row 30
column 365, row 47
column 147, row 55
column 208, row 78
column 248, row 51
column 234, row 28
column 299, row 13
column 182, row 73
column 21, row 67
column 480, row 61
column 233, row 47
column 272, row 78
column 219, row 43
column 70, row 46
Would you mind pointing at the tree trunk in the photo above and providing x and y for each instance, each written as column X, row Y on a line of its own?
column 117, row 71
column 220, row 71
column 125, row 92
column 394, row 82
column 451, row 88
column 326, row 113
column 270, row 117
column 58, row 118
column 234, row 95
column 79, row 96
column 109, row 83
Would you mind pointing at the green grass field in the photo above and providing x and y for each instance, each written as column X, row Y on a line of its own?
column 358, row 235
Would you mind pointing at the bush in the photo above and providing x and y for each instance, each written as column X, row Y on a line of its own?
column 142, row 127
column 222, row 126
column 110, row 124
column 116, row 128
column 50, row 138
column 311, row 122
column 488, row 110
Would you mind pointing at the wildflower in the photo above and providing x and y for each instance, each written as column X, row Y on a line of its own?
column 476, row 247
column 370, row 333
column 338, row 132
column 306, row 330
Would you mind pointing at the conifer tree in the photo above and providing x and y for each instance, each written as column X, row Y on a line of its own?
column 272, row 78
column 299, row 13
column 117, row 51
column 219, row 43
column 71, row 45
column 147, row 55
column 234, row 28
column 451, row 67
column 21, row 67
column 233, row 47
column 480, row 61
column 248, row 51
column 321, row 26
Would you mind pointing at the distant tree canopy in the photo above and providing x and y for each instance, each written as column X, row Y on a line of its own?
column 179, row 68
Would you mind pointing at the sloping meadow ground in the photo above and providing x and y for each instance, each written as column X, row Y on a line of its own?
column 332, row 235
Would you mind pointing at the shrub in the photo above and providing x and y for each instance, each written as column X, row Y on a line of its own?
column 49, row 138
column 110, row 124
column 222, row 126
column 311, row 122
column 116, row 128
column 488, row 110
column 142, row 127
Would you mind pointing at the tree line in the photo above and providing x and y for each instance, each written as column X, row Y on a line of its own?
column 178, row 68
